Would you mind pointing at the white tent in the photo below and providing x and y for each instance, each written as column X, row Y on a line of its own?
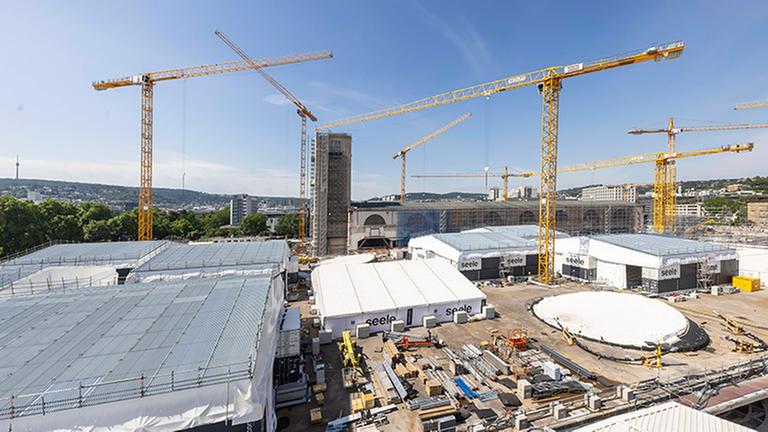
column 379, row 293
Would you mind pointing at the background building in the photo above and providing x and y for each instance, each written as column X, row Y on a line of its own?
column 624, row 192
column 240, row 207
column 393, row 224
column 527, row 192
column 331, row 192
column 757, row 212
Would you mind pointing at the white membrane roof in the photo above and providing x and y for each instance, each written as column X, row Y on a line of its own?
column 350, row 259
column 353, row 289
column 660, row 245
column 88, row 253
column 202, row 330
column 529, row 232
column 616, row 318
column 201, row 255
column 668, row 416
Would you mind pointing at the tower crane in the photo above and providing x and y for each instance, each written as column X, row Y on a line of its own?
column 748, row 105
column 549, row 83
column 404, row 151
column 668, row 198
column 147, row 81
column 660, row 159
column 505, row 175
column 303, row 113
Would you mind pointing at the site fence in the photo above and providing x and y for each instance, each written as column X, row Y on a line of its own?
column 101, row 392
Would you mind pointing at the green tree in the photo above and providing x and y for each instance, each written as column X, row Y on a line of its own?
column 213, row 222
column 63, row 220
column 22, row 225
column 94, row 211
column 98, row 230
column 254, row 224
column 124, row 226
column 288, row 225
column 183, row 228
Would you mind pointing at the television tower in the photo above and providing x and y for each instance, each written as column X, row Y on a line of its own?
column 17, row 167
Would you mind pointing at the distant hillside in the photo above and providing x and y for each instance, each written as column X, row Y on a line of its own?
column 758, row 184
column 124, row 197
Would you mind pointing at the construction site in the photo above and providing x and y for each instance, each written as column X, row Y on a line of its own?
column 527, row 312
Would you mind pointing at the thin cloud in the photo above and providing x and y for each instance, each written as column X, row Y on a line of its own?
column 468, row 42
column 355, row 96
column 276, row 99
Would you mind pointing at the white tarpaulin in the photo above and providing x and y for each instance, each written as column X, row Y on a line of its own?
column 250, row 317
column 616, row 318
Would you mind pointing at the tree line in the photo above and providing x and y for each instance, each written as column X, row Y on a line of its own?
column 24, row 224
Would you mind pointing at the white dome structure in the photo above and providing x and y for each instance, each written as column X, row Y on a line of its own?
column 622, row 319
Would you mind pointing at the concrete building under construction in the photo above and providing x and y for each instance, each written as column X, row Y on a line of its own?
column 331, row 192
column 393, row 224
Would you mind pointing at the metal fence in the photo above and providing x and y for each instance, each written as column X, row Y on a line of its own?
column 100, row 392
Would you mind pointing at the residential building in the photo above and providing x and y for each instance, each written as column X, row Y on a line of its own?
column 494, row 194
column 757, row 212
column 331, row 192
column 240, row 207
column 527, row 192
column 694, row 210
column 623, row 192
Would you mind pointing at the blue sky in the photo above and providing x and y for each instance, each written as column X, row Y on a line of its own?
column 232, row 133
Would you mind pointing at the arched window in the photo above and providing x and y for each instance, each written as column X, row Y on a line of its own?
column 374, row 220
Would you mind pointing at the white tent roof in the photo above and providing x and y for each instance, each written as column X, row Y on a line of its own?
column 455, row 246
column 350, row 259
column 353, row 289
column 644, row 250
column 669, row 416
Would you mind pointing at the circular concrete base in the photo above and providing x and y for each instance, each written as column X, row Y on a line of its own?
column 622, row 319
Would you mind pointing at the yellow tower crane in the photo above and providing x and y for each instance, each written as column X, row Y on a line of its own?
column 303, row 113
column 748, row 105
column 548, row 81
column 660, row 159
column 505, row 175
column 147, row 81
column 404, row 151
column 669, row 193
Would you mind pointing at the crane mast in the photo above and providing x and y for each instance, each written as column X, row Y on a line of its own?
column 147, row 81
column 404, row 151
column 303, row 112
column 660, row 160
column 549, row 82
column 667, row 191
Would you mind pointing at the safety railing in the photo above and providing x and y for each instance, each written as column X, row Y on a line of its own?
column 100, row 392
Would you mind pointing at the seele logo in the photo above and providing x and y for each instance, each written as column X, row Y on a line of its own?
column 574, row 260
column 384, row 320
column 514, row 260
column 668, row 272
column 465, row 308
column 472, row 264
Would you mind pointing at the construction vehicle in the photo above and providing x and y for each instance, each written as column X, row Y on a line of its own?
column 666, row 211
column 549, row 83
column 404, row 151
column 303, row 113
column 744, row 346
column 660, row 160
column 404, row 341
column 147, row 81
column 568, row 337
column 654, row 360
column 349, row 353
column 730, row 325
